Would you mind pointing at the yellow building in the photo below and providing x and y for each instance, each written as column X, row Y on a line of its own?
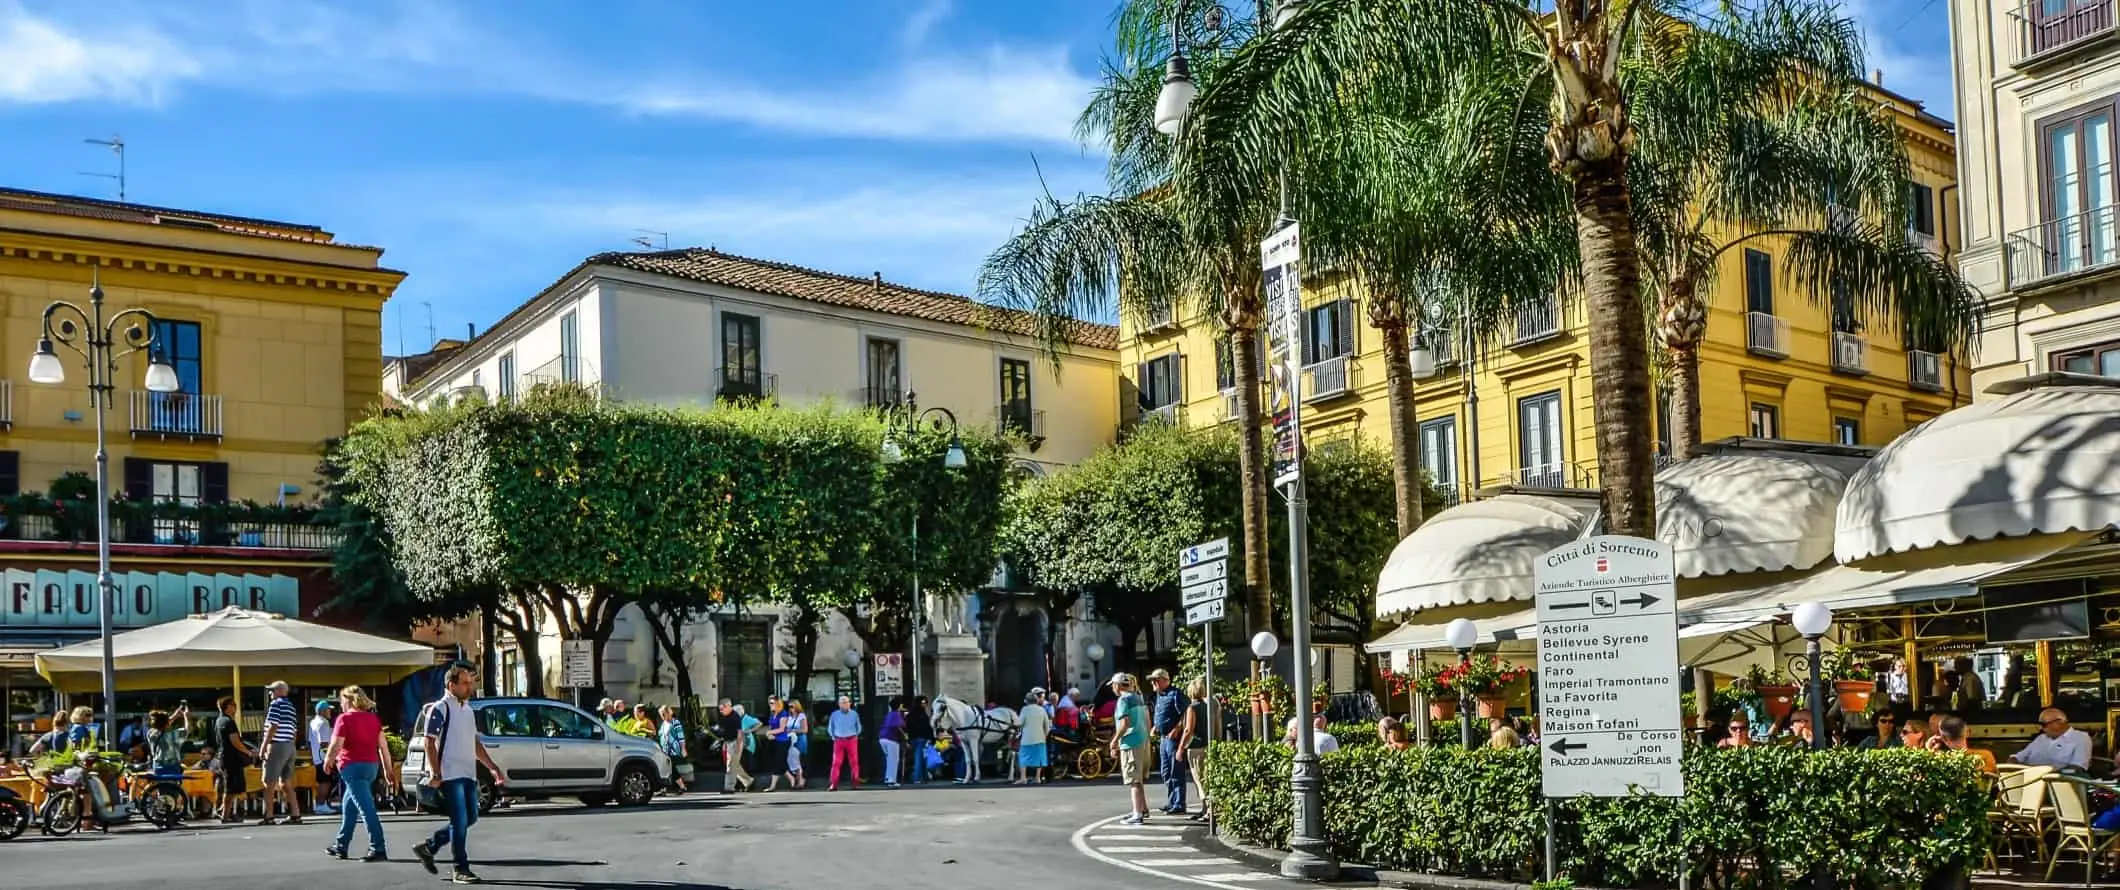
column 275, row 333
column 1775, row 364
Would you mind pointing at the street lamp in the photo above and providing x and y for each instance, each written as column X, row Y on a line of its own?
column 904, row 420
column 1812, row 620
column 1420, row 361
column 1461, row 634
column 1095, row 651
column 1263, row 646
column 100, row 342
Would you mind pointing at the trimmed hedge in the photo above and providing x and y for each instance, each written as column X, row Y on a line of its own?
column 1753, row 818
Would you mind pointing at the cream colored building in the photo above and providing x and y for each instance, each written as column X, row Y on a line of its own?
column 693, row 326
column 2038, row 91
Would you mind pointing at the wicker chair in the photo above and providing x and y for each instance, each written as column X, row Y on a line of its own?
column 2021, row 811
column 2072, row 822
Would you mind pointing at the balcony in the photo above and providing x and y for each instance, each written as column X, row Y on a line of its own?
column 1926, row 242
column 1851, row 353
column 1767, row 334
column 1925, row 370
column 1548, row 476
column 1329, row 379
column 1020, row 419
column 1168, row 415
column 747, row 385
column 1158, row 321
column 1537, row 321
column 2042, row 35
column 175, row 415
column 564, row 369
column 177, row 533
column 876, row 397
column 1230, row 411
column 2071, row 245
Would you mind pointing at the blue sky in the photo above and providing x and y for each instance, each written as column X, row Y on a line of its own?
column 489, row 145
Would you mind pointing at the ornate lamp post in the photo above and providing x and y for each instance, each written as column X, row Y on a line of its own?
column 100, row 342
column 903, row 421
column 1462, row 634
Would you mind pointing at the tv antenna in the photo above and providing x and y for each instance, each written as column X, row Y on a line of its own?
column 432, row 337
column 116, row 144
column 648, row 243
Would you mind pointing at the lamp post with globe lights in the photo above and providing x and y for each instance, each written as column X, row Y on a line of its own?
column 100, row 342
column 903, row 421
column 1812, row 620
column 1461, row 634
column 1263, row 646
column 1095, row 653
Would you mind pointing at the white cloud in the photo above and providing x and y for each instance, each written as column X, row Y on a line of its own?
column 923, row 21
column 1896, row 34
column 46, row 63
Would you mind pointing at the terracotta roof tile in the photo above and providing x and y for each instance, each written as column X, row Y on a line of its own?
column 95, row 208
column 873, row 294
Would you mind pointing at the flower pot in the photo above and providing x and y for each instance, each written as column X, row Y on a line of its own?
column 1854, row 695
column 1492, row 706
column 1778, row 700
column 1442, row 709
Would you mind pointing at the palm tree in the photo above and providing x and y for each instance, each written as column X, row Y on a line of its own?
column 1737, row 145
column 1149, row 250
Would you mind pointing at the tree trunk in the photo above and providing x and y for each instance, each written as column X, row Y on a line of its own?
column 1683, row 323
column 1252, row 471
column 804, row 628
column 668, row 627
column 1388, row 316
column 523, row 626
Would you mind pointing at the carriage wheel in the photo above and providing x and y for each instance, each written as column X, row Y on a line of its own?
column 1090, row 763
column 1056, row 768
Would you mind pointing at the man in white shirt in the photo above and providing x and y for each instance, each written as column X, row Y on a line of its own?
column 1319, row 738
column 319, row 742
column 454, row 754
column 2057, row 744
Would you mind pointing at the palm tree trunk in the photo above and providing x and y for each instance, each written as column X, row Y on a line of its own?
column 1683, row 323
column 1406, row 479
column 1251, row 471
column 1619, row 348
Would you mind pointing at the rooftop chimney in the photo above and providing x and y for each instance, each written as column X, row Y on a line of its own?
column 470, row 331
column 1877, row 76
column 879, row 281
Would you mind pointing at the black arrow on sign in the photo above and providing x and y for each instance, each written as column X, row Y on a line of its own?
column 1562, row 747
column 1559, row 606
column 1644, row 601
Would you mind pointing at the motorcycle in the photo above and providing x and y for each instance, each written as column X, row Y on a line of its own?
column 70, row 794
column 15, row 815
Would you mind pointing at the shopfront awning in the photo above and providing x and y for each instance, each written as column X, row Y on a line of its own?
column 1481, row 552
column 214, row 650
column 1752, row 507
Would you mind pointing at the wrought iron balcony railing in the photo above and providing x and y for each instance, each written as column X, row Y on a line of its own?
column 2068, row 245
column 1767, row 334
column 175, row 415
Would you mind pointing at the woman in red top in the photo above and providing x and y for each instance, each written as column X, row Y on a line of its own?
column 359, row 754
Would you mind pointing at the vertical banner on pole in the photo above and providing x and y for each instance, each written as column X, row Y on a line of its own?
column 1278, row 257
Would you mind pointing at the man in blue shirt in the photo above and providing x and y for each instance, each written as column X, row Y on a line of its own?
column 282, row 723
column 454, row 754
column 1169, row 717
column 845, row 728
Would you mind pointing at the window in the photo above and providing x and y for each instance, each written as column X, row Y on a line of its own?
column 1328, row 332
column 1016, row 395
column 507, row 721
column 1158, row 381
column 567, row 723
column 570, row 348
column 506, row 373
column 740, row 360
column 2076, row 184
column 478, row 378
column 1846, row 317
column 1921, row 210
column 174, row 482
column 2102, row 359
column 883, row 373
column 1847, row 431
column 1766, row 421
column 177, row 344
column 1538, row 429
column 1759, row 282
column 1226, row 362
column 1439, row 452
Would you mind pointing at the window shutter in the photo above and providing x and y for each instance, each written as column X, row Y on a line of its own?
column 139, row 479
column 213, row 483
column 1177, row 378
column 1141, row 386
column 1345, row 318
column 10, row 473
column 1309, row 337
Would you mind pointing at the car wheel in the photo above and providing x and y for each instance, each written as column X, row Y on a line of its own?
column 635, row 786
column 489, row 794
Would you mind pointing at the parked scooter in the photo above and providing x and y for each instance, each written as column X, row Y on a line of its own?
column 78, row 791
column 15, row 815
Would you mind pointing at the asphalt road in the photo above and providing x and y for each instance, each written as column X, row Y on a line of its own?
column 988, row 836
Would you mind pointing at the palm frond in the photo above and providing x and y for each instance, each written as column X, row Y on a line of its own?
column 1880, row 276
column 1088, row 257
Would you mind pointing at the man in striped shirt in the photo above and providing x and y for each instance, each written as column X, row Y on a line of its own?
column 282, row 724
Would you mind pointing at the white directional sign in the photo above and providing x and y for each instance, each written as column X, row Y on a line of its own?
column 1609, row 718
column 890, row 675
column 577, row 664
column 1203, row 573
column 1201, row 613
column 1217, row 549
column 1200, row 593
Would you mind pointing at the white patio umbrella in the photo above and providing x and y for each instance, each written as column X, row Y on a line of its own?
column 209, row 650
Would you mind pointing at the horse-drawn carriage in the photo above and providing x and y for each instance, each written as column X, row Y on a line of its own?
column 1085, row 748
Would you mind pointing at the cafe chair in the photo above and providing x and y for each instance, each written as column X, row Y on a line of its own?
column 2072, row 824
column 2021, row 811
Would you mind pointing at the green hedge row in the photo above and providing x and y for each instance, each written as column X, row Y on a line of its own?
column 1753, row 818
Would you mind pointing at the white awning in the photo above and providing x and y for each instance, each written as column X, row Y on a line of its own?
column 1751, row 510
column 2044, row 458
column 207, row 651
column 1481, row 552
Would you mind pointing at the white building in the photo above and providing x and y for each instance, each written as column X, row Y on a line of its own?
column 690, row 326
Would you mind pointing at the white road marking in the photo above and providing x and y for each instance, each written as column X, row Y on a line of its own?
column 1204, row 860
column 1226, row 881
column 1240, row 876
column 1173, row 848
column 1161, row 838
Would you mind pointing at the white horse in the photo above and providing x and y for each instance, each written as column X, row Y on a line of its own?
column 975, row 730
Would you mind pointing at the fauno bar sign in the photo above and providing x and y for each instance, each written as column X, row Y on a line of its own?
column 68, row 599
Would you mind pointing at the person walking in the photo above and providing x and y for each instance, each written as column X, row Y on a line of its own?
column 359, row 755
column 671, row 736
column 729, row 731
column 1034, row 724
column 845, row 728
column 1130, row 745
column 282, row 724
column 776, row 746
column 454, row 754
column 236, row 757
column 797, row 730
column 1168, row 722
column 920, row 731
column 750, row 728
column 892, row 739
column 319, row 736
column 1194, row 733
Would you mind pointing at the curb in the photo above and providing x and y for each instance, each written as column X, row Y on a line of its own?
column 1356, row 875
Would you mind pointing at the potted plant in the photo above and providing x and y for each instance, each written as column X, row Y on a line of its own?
column 1854, row 682
column 1442, row 699
column 1776, row 694
column 1487, row 679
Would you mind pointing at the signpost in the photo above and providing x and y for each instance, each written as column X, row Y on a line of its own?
column 1203, row 578
column 1278, row 257
column 890, row 674
column 1610, row 724
column 577, row 664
